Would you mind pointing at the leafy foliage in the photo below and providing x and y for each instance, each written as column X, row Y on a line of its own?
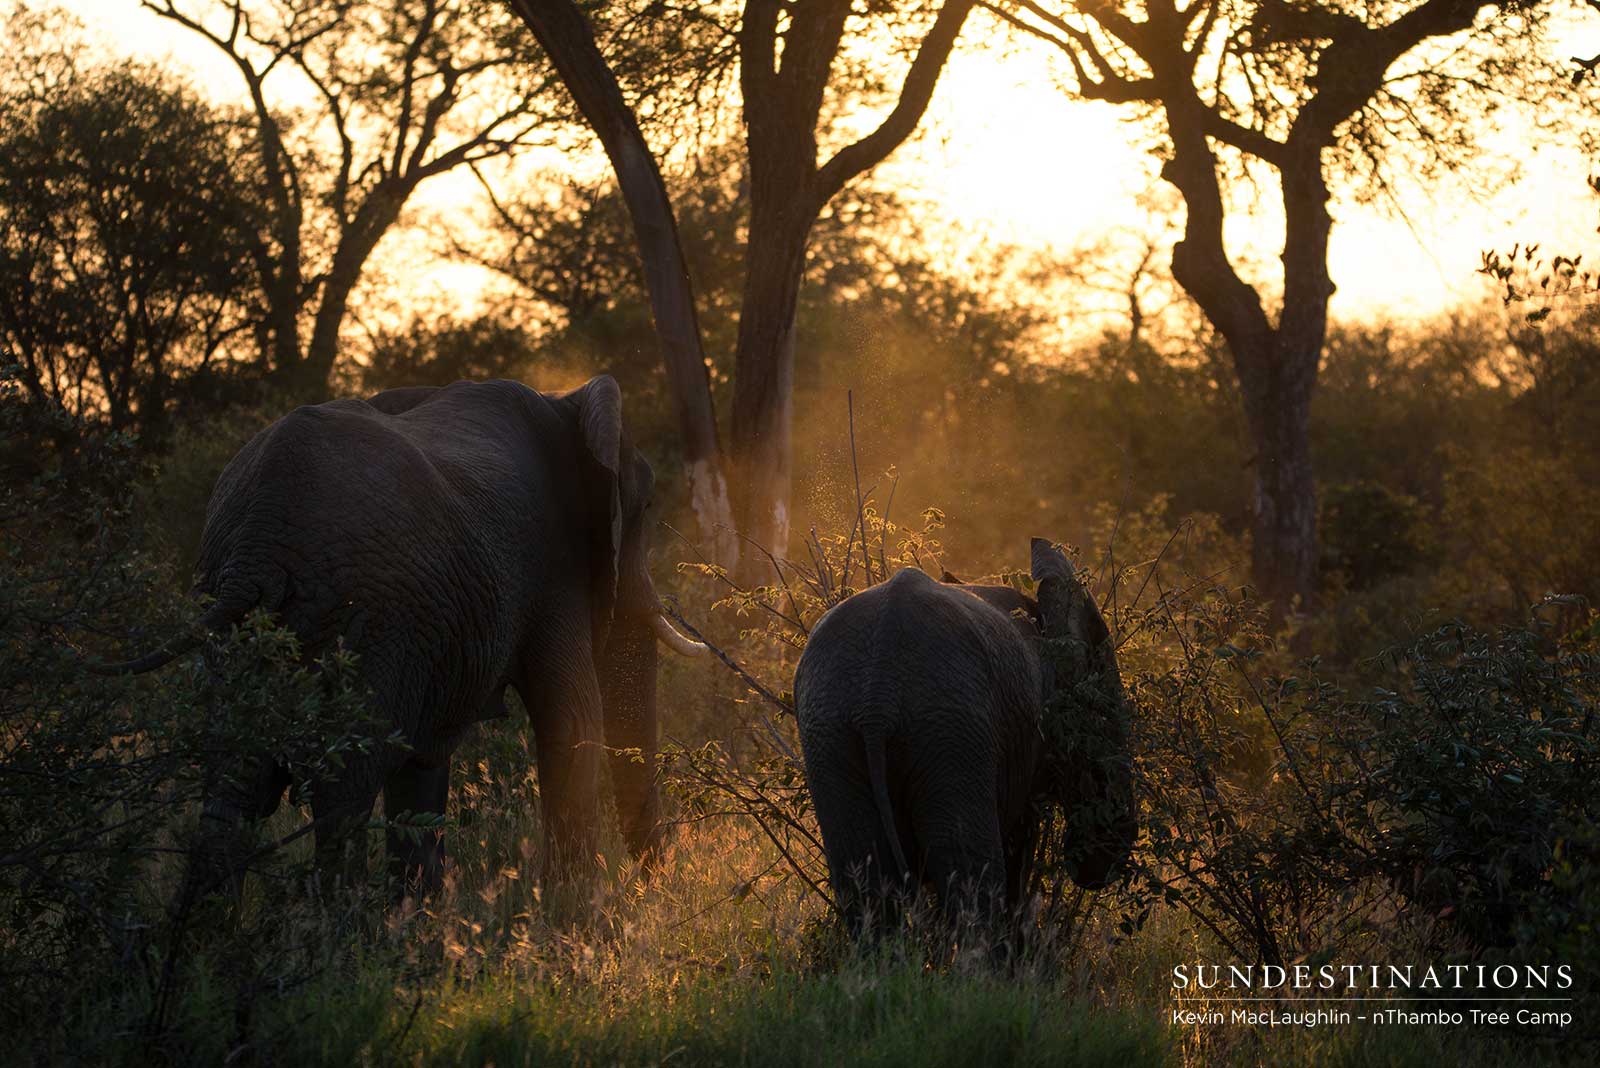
column 126, row 231
column 100, row 776
column 1370, row 533
column 1462, row 781
column 1284, row 813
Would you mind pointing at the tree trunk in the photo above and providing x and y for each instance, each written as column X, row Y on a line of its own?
column 1278, row 393
column 564, row 34
column 1277, row 400
column 1276, row 364
column 357, row 240
column 282, row 320
column 763, row 398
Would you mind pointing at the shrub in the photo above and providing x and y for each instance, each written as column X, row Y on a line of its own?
column 1285, row 815
column 1526, row 521
column 1370, row 533
column 1463, row 779
column 1232, row 834
column 100, row 776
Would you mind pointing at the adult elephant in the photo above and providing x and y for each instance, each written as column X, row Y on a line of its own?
column 459, row 540
column 940, row 721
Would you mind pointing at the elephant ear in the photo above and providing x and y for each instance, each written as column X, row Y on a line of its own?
column 1054, row 585
column 1086, row 768
column 1065, row 606
column 599, row 404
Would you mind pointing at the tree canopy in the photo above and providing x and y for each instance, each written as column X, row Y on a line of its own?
column 400, row 91
column 1315, row 92
column 126, row 225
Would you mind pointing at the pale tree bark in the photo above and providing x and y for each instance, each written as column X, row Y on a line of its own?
column 1157, row 62
column 784, row 77
column 565, row 36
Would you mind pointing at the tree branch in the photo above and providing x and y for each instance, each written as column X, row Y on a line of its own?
column 1111, row 86
column 1352, row 67
column 915, row 93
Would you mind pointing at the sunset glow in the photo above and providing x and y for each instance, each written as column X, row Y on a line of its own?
column 1005, row 154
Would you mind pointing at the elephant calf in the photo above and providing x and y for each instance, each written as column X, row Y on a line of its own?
column 924, row 709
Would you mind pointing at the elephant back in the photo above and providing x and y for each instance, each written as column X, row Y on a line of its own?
column 401, row 533
column 912, row 647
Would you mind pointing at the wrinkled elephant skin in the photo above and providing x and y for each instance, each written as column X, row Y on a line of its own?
column 459, row 540
column 919, row 705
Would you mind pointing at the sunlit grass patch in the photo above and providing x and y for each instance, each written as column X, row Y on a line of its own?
column 861, row 1015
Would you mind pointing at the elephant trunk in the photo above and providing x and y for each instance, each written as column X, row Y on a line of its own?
column 1102, row 835
column 1087, row 769
column 629, row 696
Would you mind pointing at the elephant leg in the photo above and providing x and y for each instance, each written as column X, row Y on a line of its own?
column 568, row 726
column 341, row 817
column 628, row 692
column 1020, row 847
column 955, row 816
column 416, row 855
column 860, row 857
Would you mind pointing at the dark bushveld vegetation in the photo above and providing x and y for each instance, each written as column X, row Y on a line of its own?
column 1398, row 768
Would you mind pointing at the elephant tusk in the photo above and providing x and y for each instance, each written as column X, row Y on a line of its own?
column 672, row 639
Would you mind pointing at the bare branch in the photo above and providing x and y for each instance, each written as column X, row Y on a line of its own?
column 1109, row 85
column 915, row 93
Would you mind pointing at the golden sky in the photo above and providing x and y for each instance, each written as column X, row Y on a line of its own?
column 1008, row 156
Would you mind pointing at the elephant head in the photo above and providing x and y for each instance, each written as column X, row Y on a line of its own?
column 1085, row 768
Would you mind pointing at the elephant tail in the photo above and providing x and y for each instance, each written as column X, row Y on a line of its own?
column 227, row 611
column 878, row 775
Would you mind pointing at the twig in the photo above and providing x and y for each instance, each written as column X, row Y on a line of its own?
column 749, row 680
column 883, row 534
column 1126, row 635
column 748, row 885
column 411, row 1018
column 722, row 575
column 849, row 547
column 794, row 864
column 819, row 560
column 861, row 507
column 1108, row 562
column 1157, row 562
column 798, row 620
